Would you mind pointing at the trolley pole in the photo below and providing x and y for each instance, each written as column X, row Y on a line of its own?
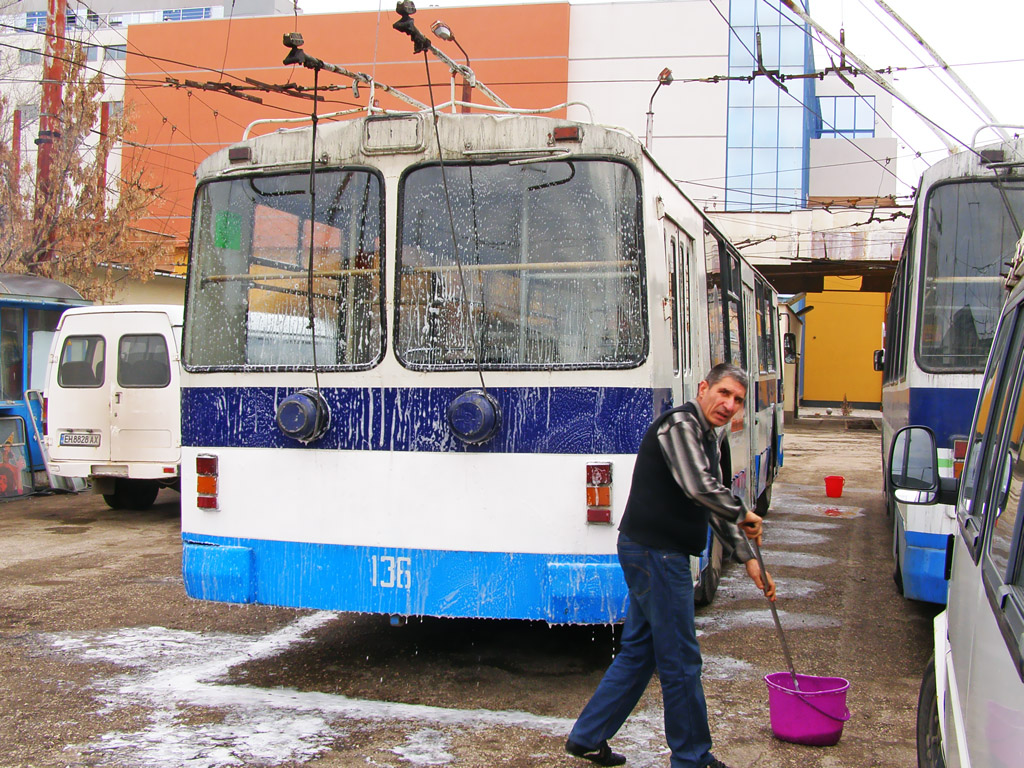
column 49, row 119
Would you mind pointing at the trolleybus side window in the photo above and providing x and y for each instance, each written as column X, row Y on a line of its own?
column 968, row 238
column 765, row 327
column 247, row 300
column 734, row 316
column 985, row 462
column 545, row 270
column 897, row 315
column 716, row 313
column 685, row 254
column 673, row 295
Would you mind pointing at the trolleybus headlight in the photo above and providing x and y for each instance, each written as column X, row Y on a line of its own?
column 474, row 417
column 304, row 416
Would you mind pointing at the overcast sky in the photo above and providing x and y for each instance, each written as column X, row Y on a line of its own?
column 980, row 39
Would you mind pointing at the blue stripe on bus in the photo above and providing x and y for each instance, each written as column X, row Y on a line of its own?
column 579, row 589
column 568, row 420
column 947, row 411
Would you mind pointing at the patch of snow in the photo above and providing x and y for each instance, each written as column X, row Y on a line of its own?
column 727, row 620
column 426, row 746
column 168, row 671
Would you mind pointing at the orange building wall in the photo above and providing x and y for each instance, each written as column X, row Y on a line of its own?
column 520, row 52
column 841, row 334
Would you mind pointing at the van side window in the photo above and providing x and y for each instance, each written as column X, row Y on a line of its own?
column 1003, row 534
column 82, row 361
column 985, row 462
column 142, row 361
column 1002, row 570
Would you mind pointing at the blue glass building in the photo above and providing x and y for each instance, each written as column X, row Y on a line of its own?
column 769, row 129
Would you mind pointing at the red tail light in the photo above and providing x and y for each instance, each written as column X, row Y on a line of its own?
column 959, row 456
column 206, row 481
column 599, row 492
column 45, row 410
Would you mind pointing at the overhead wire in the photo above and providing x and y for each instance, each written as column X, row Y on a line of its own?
column 913, row 52
column 823, row 42
column 227, row 39
column 146, row 83
column 703, row 181
column 935, row 126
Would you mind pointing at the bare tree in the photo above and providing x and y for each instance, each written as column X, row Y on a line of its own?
column 83, row 233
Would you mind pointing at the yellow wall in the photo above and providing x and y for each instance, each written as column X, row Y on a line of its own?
column 842, row 332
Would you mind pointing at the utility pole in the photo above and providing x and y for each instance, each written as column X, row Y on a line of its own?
column 103, row 152
column 49, row 117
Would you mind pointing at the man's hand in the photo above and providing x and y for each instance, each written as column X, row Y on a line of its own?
column 751, row 525
column 754, row 571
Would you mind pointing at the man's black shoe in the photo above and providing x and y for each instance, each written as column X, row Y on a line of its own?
column 602, row 755
column 716, row 763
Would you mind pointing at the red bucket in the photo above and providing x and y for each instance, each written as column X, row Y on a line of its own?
column 834, row 486
column 812, row 715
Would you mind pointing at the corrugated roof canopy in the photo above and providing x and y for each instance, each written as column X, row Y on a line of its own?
column 32, row 285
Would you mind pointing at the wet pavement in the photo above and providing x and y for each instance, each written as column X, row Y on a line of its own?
column 106, row 662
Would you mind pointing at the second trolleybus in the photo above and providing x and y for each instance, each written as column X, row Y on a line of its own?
column 942, row 316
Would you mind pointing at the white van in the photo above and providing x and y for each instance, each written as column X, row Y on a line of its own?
column 113, row 401
column 971, row 706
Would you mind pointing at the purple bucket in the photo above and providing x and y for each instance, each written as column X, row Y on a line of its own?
column 812, row 715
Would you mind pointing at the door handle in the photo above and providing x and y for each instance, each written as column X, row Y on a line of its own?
column 117, row 397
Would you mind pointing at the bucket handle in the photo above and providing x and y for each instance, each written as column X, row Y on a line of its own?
column 840, row 719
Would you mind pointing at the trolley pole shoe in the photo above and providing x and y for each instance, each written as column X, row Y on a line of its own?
column 602, row 755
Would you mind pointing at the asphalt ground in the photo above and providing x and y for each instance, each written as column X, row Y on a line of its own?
column 106, row 662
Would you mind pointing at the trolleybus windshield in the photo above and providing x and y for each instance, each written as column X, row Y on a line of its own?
column 971, row 231
column 248, row 304
column 544, row 270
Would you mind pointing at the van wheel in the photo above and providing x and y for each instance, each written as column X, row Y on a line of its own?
column 706, row 588
column 929, row 739
column 132, row 494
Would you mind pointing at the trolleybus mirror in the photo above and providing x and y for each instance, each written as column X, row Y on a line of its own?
column 789, row 347
column 879, row 359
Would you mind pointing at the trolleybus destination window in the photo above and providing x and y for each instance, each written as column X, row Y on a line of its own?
column 248, row 301
column 545, row 270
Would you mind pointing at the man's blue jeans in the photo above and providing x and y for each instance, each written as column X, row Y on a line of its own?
column 659, row 633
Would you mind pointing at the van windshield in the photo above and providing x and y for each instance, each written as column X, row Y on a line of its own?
column 971, row 232
column 248, row 302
